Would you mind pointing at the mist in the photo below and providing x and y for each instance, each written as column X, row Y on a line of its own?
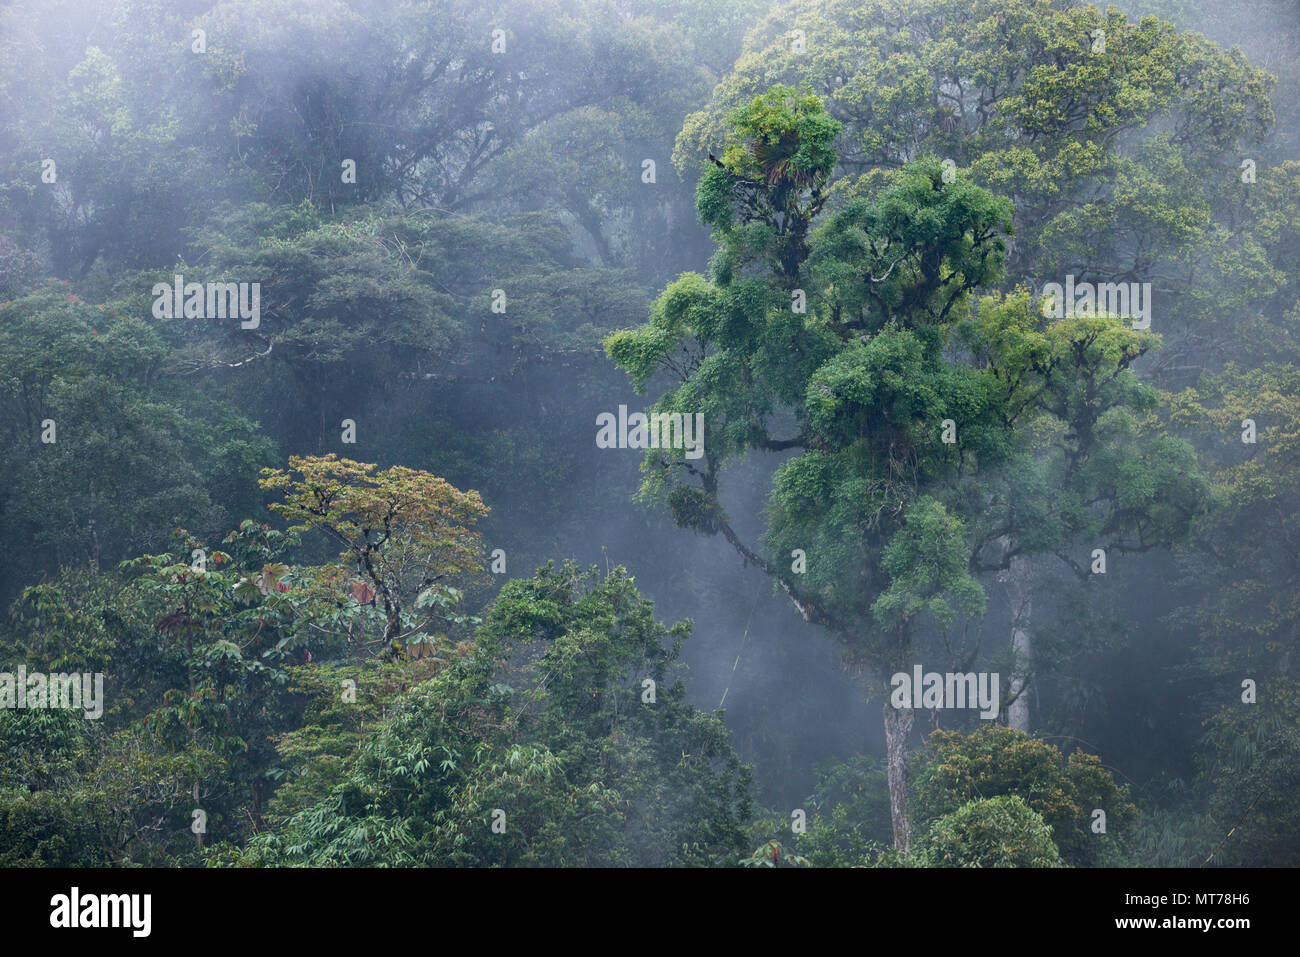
column 312, row 313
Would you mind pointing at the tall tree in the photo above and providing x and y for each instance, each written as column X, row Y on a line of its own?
column 855, row 380
column 1121, row 143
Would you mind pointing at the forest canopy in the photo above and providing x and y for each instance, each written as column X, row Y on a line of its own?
column 482, row 434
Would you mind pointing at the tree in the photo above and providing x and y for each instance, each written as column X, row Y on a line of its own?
column 194, row 687
column 108, row 451
column 1252, row 808
column 1000, row 831
column 859, row 383
column 1103, row 471
column 1120, row 143
column 567, row 718
column 430, row 109
column 848, row 820
column 404, row 531
column 955, row 770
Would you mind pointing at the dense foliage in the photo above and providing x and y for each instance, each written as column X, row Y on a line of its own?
column 357, row 580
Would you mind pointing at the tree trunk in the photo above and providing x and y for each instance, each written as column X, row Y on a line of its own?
column 898, row 725
column 1020, row 598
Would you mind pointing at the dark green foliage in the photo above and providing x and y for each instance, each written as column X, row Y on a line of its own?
column 1253, row 809
column 548, row 721
column 1000, row 831
column 957, row 769
column 848, row 243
